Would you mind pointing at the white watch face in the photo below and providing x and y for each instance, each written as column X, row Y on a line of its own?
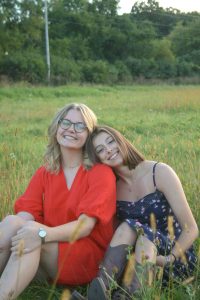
column 42, row 233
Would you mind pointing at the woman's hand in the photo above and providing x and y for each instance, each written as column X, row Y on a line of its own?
column 26, row 239
column 163, row 260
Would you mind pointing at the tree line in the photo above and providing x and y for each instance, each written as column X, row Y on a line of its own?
column 91, row 42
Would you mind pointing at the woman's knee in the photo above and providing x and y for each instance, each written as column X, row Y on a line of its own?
column 9, row 227
column 145, row 249
column 124, row 234
column 14, row 221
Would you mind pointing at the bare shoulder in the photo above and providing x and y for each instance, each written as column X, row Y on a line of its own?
column 164, row 169
column 165, row 176
column 147, row 165
column 145, row 168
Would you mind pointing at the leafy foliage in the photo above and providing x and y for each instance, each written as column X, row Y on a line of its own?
column 89, row 36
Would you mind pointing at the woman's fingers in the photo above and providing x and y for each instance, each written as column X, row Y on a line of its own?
column 19, row 250
column 17, row 237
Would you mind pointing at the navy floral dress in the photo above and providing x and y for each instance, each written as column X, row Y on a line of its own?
column 151, row 217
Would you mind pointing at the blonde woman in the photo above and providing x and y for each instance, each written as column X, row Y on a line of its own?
column 63, row 221
column 154, row 213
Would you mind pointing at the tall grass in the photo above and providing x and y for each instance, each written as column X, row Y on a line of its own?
column 163, row 122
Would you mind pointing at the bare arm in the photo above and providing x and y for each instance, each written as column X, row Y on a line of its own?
column 25, row 216
column 169, row 183
column 71, row 231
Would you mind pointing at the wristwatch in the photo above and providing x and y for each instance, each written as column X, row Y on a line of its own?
column 42, row 234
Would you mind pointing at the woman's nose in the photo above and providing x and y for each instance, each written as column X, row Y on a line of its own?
column 71, row 128
column 109, row 150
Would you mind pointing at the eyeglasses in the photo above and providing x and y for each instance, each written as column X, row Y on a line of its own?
column 78, row 126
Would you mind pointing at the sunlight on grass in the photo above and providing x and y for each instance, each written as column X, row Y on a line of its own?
column 163, row 122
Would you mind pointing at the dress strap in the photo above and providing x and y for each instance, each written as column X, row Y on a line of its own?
column 154, row 168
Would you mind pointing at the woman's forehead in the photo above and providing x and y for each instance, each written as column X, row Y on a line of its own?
column 100, row 138
column 74, row 115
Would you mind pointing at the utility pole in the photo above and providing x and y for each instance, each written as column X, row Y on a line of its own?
column 47, row 43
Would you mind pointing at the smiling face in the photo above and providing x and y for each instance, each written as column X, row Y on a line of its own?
column 107, row 149
column 70, row 138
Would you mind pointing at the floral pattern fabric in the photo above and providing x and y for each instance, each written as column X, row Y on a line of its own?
column 153, row 217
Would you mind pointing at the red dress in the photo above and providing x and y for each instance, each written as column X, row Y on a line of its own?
column 93, row 193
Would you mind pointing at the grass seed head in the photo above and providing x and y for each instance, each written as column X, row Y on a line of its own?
column 75, row 233
column 66, row 295
column 20, row 251
column 153, row 222
column 171, row 228
column 129, row 271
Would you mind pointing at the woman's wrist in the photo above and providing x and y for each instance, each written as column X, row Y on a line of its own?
column 170, row 259
column 174, row 256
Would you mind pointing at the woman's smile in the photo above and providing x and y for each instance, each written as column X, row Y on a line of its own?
column 70, row 138
column 107, row 149
column 113, row 156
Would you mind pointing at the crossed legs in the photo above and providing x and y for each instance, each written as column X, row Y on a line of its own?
column 19, row 270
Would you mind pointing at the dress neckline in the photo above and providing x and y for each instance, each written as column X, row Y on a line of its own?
column 143, row 198
column 75, row 178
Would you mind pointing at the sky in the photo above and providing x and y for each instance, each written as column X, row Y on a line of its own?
column 182, row 5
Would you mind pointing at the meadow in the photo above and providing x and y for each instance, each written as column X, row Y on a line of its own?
column 162, row 121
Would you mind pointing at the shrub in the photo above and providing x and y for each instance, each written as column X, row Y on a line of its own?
column 64, row 70
column 95, row 71
column 25, row 65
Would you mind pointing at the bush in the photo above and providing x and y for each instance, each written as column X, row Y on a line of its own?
column 25, row 65
column 166, row 69
column 150, row 68
column 146, row 68
column 64, row 70
column 95, row 71
column 124, row 74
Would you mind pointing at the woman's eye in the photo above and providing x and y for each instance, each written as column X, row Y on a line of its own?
column 99, row 150
column 110, row 141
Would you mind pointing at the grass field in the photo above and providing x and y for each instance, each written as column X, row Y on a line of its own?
column 163, row 122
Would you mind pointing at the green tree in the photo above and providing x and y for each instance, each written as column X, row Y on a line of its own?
column 105, row 7
column 186, row 41
column 162, row 19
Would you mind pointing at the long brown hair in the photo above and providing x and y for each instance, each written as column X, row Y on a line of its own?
column 131, row 156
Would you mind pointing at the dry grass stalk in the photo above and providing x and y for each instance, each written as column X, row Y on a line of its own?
column 143, row 257
column 198, row 253
column 20, row 250
column 130, row 270
column 160, row 273
column 150, row 276
column 153, row 222
column 72, row 239
column 182, row 254
column 188, row 280
column 171, row 228
column 75, row 234
column 66, row 295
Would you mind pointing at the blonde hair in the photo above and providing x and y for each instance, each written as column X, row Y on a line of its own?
column 131, row 156
column 52, row 156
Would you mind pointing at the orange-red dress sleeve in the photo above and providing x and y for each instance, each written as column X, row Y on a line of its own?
column 31, row 200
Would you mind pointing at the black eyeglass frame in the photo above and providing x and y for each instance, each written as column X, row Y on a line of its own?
column 70, row 123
